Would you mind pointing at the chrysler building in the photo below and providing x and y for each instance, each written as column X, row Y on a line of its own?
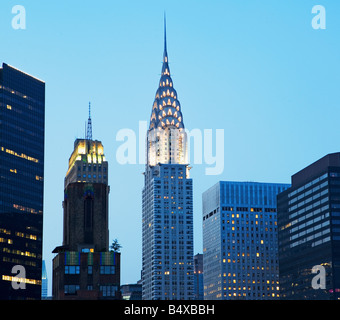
column 167, row 218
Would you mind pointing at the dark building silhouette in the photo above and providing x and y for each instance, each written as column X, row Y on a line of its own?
column 198, row 277
column 309, row 232
column 86, row 216
column 131, row 291
column 22, row 121
column 84, row 268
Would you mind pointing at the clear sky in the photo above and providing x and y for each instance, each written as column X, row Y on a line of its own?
column 255, row 68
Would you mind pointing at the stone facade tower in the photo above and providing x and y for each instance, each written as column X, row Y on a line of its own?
column 86, row 198
column 84, row 268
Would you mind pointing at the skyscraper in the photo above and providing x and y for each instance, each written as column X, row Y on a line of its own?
column 240, row 254
column 22, row 123
column 44, row 281
column 84, row 268
column 309, row 232
column 198, row 276
column 167, row 249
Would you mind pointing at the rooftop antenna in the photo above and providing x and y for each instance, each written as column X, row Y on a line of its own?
column 89, row 125
column 165, row 49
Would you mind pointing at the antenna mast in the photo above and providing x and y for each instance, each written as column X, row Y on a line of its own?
column 89, row 125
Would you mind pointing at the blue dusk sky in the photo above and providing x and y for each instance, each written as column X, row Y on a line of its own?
column 255, row 68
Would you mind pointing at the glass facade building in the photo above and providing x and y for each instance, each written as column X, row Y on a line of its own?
column 240, row 256
column 309, row 232
column 22, row 121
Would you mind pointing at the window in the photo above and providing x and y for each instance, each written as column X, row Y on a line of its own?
column 108, row 291
column 71, row 288
column 107, row 270
column 72, row 269
column 89, row 269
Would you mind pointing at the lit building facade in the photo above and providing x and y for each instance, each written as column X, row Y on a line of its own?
column 309, row 232
column 240, row 253
column 84, row 268
column 167, row 213
column 22, row 122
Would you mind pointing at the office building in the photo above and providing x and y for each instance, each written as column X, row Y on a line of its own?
column 167, row 213
column 83, row 267
column 198, row 276
column 309, row 232
column 22, row 122
column 240, row 256
column 131, row 291
column 44, row 281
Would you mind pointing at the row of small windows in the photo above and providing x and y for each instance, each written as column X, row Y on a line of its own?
column 92, row 168
column 307, row 185
column 307, row 193
column 312, row 237
column 94, row 176
column 19, row 234
column 20, row 253
column 166, row 83
column 21, row 95
column 20, row 261
column 258, row 295
column 107, row 291
column 315, row 217
column 313, row 205
column 20, row 155
column 103, row 270
column 241, row 209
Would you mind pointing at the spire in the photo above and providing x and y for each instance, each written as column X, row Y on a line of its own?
column 166, row 110
column 165, row 67
column 89, row 125
column 165, row 50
